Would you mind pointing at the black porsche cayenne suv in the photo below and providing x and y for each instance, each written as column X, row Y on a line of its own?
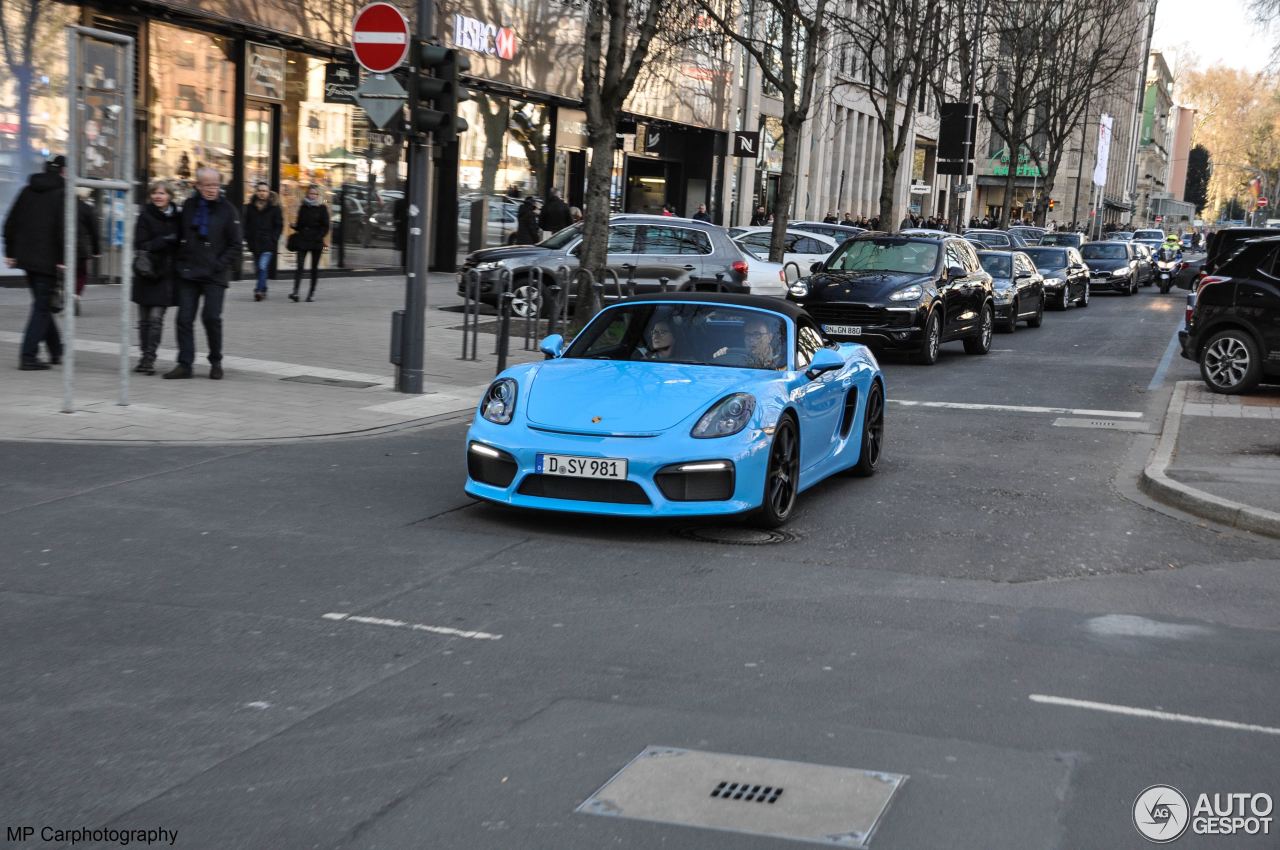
column 901, row 293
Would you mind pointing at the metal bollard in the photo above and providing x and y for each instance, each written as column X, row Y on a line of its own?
column 719, row 281
column 617, row 282
column 554, row 320
column 504, row 329
column 470, row 314
column 504, row 289
column 597, row 296
column 535, row 302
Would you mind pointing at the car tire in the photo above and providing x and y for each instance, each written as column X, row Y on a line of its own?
column 1129, row 288
column 525, row 303
column 928, row 353
column 980, row 343
column 1064, row 303
column 1230, row 362
column 872, row 434
column 1038, row 319
column 1011, row 325
column 781, row 477
column 1084, row 298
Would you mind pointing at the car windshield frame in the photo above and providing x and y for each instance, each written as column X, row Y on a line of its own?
column 702, row 334
column 998, row 260
column 1058, row 263
column 1115, row 251
column 839, row 260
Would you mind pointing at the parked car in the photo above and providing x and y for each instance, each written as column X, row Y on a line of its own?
column 995, row 238
column 677, row 405
column 1119, row 236
column 925, row 231
column 1066, row 277
column 766, row 278
column 1225, row 242
column 1113, row 265
column 904, row 293
column 1064, row 238
column 836, row 232
column 1146, row 264
column 1030, row 233
column 1234, row 328
column 1017, row 289
column 799, row 246
column 647, row 252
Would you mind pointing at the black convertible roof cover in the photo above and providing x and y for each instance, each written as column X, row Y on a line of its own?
column 759, row 302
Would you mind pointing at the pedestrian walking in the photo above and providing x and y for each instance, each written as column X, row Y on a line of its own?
column 262, row 222
column 156, row 235
column 209, row 246
column 830, row 218
column 701, row 214
column 527, row 232
column 847, row 221
column 760, row 217
column 309, row 232
column 33, row 242
column 88, row 245
column 555, row 213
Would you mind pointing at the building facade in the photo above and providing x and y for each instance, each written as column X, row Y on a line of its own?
column 1155, row 142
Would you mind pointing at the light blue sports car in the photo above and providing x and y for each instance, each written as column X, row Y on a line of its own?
column 680, row 404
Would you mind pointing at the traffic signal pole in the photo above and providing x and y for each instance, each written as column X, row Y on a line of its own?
column 409, row 372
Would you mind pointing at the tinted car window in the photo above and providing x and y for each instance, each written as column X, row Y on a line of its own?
column 997, row 265
column 622, row 239
column 810, row 246
column 674, row 240
column 1149, row 234
column 998, row 240
column 970, row 255
column 885, row 254
column 1104, row 252
column 1048, row 258
column 759, row 241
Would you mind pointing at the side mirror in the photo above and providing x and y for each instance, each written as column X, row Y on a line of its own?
column 552, row 346
column 954, row 272
column 1075, row 267
column 1022, row 275
column 824, row 361
column 815, row 268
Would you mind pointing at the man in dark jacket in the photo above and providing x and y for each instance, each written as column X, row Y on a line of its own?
column 262, row 223
column 555, row 213
column 33, row 242
column 209, row 248
column 527, row 232
column 701, row 214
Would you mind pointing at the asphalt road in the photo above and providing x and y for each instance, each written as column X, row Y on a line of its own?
column 168, row 662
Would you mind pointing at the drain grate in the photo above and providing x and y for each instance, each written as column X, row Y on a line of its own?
column 735, row 535
column 1102, row 424
column 329, row 382
column 747, row 792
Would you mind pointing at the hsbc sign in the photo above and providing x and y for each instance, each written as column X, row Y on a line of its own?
column 482, row 37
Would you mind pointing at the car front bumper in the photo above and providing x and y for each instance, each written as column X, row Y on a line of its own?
column 641, row 495
column 1109, row 283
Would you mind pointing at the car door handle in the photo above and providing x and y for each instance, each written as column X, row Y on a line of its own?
column 689, row 268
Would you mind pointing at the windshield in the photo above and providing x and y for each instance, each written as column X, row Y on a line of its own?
column 561, row 238
column 885, row 255
column 699, row 334
column 1104, row 252
column 1059, row 239
column 998, row 239
column 1149, row 234
column 1047, row 258
column 997, row 265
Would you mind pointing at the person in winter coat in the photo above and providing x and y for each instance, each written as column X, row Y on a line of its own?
column 33, row 242
column 262, row 222
column 209, row 247
column 87, row 245
column 311, row 228
column 157, row 232
column 527, row 232
column 701, row 214
column 555, row 213
column 760, row 217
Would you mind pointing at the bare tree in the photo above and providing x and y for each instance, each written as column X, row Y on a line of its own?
column 19, row 26
column 783, row 38
column 896, row 48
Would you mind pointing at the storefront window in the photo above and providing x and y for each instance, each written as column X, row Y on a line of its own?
column 192, row 85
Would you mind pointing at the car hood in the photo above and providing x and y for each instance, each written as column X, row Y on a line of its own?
column 624, row 397
column 505, row 252
column 1103, row 264
column 1053, row 271
column 861, row 286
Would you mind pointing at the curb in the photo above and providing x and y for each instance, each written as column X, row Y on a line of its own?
column 1156, row 483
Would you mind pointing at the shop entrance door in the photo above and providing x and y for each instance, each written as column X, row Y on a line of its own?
column 650, row 184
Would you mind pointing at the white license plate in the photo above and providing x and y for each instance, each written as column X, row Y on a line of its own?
column 612, row 468
column 843, row 330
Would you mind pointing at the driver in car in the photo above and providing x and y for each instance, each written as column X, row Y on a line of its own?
column 660, row 341
column 761, row 343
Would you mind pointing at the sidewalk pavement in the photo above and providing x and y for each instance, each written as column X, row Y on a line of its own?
column 293, row 370
column 1219, row 457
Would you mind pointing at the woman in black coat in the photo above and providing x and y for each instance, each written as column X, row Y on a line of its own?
column 310, row 230
column 262, row 223
column 156, row 232
column 527, row 231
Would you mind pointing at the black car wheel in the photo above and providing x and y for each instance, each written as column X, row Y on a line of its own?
column 1065, row 301
column 782, row 479
column 1129, row 288
column 1011, row 325
column 1038, row 319
column 981, row 343
column 1084, row 298
column 1229, row 362
column 872, row 433
column 928, row 353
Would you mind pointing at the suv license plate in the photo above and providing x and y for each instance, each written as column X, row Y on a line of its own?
column 843, row 330
column 610, row 468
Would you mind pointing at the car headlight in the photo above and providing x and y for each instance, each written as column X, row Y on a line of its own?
column 1053, row 281
column 1120, row 273
column 908, row 293
column 726, row 417
column 490, row 266
column 799, row 289
column 499, row 403
column 1003, row 296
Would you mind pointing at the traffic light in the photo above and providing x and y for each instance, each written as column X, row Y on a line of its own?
column 1052, row 202
column 435, row 91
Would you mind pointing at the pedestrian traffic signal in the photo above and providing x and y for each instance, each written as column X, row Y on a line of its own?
column 435, row 91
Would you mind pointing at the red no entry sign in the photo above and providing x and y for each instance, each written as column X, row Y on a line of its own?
column 380, row 37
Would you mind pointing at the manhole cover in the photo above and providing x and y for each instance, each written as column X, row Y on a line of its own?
column 329, row 382
column 735, row 535
column 834, row 806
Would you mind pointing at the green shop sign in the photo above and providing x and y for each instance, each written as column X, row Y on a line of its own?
column 1000, row 164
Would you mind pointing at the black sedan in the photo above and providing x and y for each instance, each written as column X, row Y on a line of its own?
column 1017, row 287
column 1066, row 277
column 903, row 293
column 1113, row 266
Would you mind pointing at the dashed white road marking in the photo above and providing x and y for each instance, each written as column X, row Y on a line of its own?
column 1015, row 408
column 1152, row 714
column 415, row 627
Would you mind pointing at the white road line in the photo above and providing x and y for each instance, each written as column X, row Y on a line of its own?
column 1014, row 408
column 416, row 627
column 1154, row 715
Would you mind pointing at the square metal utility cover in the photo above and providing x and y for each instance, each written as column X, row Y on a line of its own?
column 835, row 806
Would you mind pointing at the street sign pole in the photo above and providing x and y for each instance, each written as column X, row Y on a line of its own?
column 417, row 249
